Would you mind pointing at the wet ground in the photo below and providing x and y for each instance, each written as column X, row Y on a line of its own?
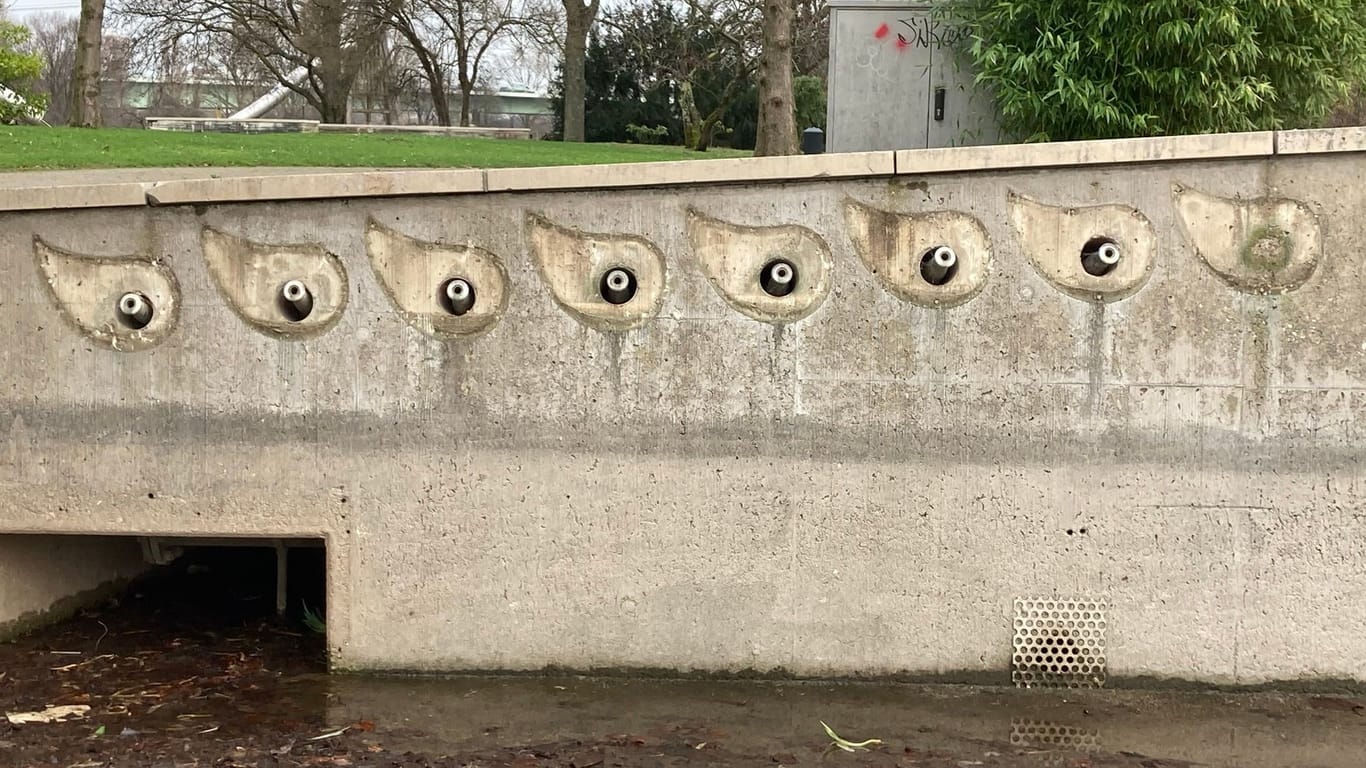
column 193, row 670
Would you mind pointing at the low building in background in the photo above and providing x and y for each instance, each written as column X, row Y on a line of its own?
column 128, row 102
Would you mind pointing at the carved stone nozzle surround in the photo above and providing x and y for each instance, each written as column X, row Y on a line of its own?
column 445, row 291
column 607, row 282
column 777, row 274
column 126, row 303
column 284, row 291
column 1261, row 246
column 937, row 259
column 1097, row 253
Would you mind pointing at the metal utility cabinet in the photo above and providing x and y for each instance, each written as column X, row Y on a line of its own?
column 896, row 81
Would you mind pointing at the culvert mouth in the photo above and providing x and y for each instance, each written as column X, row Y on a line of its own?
column 618, row 286
column 295, row 301
column 1100, row 256
column 778, row 278
column 939, row 265
column 285, row 577
column 456, row 296
column 134, row 311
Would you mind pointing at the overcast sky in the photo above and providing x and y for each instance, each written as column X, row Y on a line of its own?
column 23, row 7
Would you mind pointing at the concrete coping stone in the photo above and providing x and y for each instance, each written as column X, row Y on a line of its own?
column 50, row 197
column 415, row 182
column 1080, row 153
column 1321, row 140
column 738, row 170
column 315, row 186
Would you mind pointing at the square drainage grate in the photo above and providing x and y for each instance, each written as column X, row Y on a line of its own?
column 1041, row 734
column 1059, row 643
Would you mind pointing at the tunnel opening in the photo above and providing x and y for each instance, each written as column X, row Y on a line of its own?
column 237, row 581
column 164, row 587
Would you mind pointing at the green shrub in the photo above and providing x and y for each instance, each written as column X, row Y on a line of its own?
column 641, row 134
column 18, row 72
column 808, row 96
column 1080, row 69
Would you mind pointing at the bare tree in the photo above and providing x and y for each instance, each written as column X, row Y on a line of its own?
column 85, row 88
column 578, row 20
column 423, row 35
column 811, row 39
column 454, row 37
column 330, row 40
column 777, row 127
column 54, row 39
column 475, row 25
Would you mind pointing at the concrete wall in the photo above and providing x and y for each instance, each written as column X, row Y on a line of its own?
column 859, row 478
column 44, row 577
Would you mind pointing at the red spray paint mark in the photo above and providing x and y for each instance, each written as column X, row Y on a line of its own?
column 902, row 43
column 882, row 32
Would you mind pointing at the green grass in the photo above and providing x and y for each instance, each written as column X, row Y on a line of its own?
column 40, row 148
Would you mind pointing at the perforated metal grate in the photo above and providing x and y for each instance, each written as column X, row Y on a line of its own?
column 1059, row 643
column 1046, row 735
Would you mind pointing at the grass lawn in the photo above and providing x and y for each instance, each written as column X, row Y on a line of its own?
column 41, row 148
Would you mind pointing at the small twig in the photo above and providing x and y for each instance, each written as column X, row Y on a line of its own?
column 103, row 636
column 76, row 664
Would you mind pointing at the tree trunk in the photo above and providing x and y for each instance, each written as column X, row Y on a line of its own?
column 465, row 87
column 334, row 106
column 85, row 86
column 578, row 19
column 441, row 101
column 692, row 121
column 777, row 129
column 391, row 106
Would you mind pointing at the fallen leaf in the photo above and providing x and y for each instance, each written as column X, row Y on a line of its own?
column 99, row 731
column 49, row 715
column 845, row 744
column 364, row 725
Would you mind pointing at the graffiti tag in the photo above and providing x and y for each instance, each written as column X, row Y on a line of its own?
column 922, row 31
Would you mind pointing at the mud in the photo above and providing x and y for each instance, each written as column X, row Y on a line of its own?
column 191, row 668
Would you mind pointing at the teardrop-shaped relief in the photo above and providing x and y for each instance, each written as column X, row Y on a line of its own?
column 1098, row 253
column 934, row 259
column 126, row 304
column 446, row 291
column 607, row 282
column 1266, row 245
column 777, row 274
column 285, row 291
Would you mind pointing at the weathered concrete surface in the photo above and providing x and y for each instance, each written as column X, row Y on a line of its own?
column 864, row 491
column 42, row 577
